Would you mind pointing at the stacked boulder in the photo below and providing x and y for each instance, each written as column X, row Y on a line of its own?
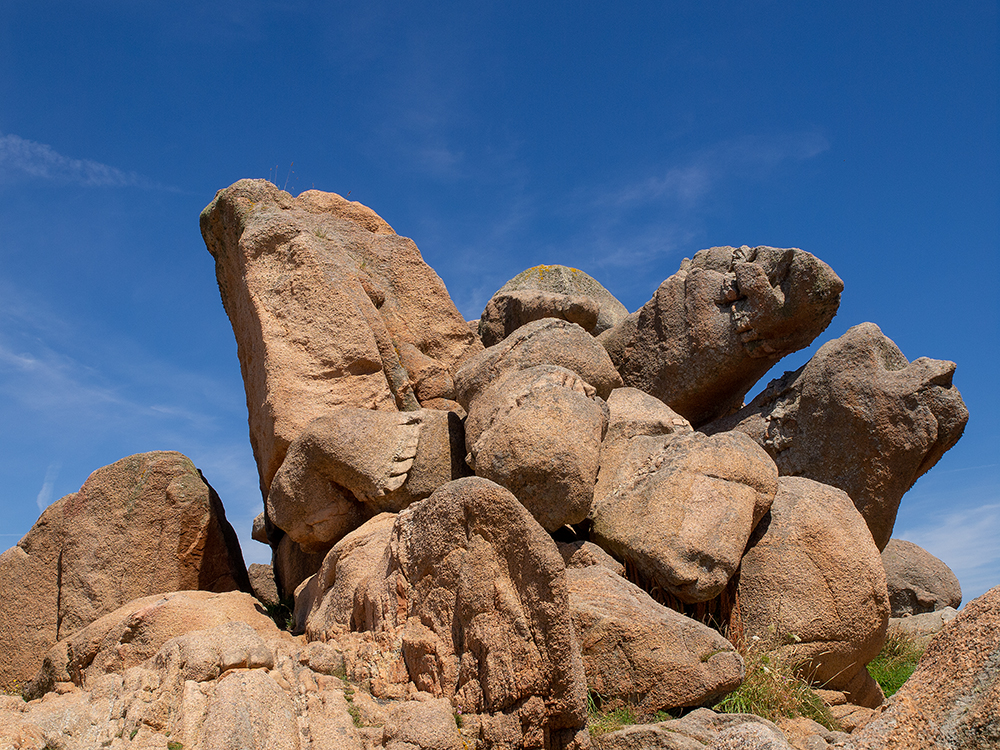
column 488, row 532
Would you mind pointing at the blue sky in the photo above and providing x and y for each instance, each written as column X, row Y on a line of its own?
column 616, row 138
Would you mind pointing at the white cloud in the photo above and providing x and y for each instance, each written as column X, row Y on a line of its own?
column 23, row 158
column 966, row 540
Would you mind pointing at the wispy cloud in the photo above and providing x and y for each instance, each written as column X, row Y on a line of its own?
column 966, row 540
column 21, row 158
column 45, row 494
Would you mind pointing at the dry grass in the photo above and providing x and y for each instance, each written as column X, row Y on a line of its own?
column 773, row 689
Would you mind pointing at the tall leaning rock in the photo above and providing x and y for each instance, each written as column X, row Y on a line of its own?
column 145, row 525
column 720, row 323
column 330, row 308
column 860, row 417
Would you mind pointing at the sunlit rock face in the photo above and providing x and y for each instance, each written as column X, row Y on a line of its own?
column 330, row 308
column 860, row 417
column 715, row 327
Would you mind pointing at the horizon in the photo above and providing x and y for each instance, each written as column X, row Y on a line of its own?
column 497, row 138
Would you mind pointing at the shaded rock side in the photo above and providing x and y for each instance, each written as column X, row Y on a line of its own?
column 478, row 592
column 508, row 311
column 720, row 323
column 860, row 417
column 538, row 432
column 146, row 524
column 541, row 342
column 571, row 282
column 642, row 652
column 918, row 582
column 354, row 463
column 811, row 584
column 330, row 308
column 952, row 700
column 680, row 508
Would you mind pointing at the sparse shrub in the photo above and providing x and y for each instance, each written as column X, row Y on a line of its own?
column 896, row 661
column 283, row 613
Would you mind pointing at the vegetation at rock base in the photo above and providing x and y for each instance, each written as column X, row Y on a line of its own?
column 611, row 715
column 283, row 613
column 896, row 661
column 773, row 689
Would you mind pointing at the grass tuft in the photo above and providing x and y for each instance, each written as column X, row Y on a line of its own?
column 896, row 661
column 773, row 689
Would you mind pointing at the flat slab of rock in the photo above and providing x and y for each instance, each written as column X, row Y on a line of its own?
column 812, row 586
column 330, row 308
column 642, row 652
column 860, row 417
column 720, row 323
column 92, row 551
column 924, row 626
column 680, row 508
column 918, row 582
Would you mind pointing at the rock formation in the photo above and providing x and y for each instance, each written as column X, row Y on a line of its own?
column 860, row 417
column 434, row 610
column 330, row 308
column 952, row 700
column 559, row 284
column 812, row 583
column 918, row 582
column 717, row 325
column 143, row 525
column 681, row 508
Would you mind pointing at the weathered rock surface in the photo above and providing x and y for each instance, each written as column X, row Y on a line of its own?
column 921, row 628
column 325, row 606
column 136, row 631
column 695, row 731
column 631, row 414
column 641, row 652
column 292, row 565
column 477, row 591
column 538, row 433
column 858, row 416
column 720, row 323
column 146, row 524
column 353, row 463
column 262, row 583
column 541, row 342
column 229, row 685
column 812, row 579
column 330, row 308
column 581, row 554
column 563, row 280
column 918, row 582
column 952, row 700
column 680, row 508
column 507, row 311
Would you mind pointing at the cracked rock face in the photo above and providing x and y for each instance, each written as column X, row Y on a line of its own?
column 720, row 323
column 331, row 308
column 860, row 417
column 146, row 524
column 477, row 591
